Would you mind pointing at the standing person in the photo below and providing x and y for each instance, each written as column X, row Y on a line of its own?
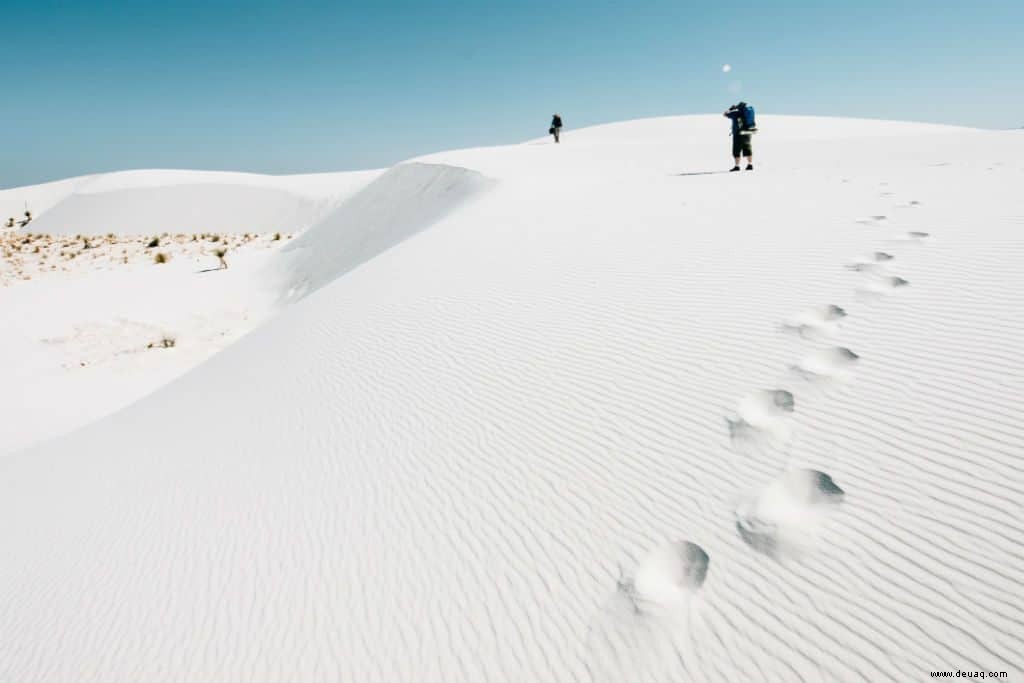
column 742, row 117
column 556, row 126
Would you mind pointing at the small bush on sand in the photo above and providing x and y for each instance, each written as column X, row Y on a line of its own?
column 160, row 257
column 166, row 342
column 277, row 236
column 220, row 254
column 215, row 238
column 155, row 242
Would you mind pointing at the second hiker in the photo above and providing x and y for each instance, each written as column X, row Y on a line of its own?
column 556, row 126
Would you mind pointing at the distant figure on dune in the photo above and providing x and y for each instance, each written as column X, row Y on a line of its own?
column 743, row 126
column 556, row 126
column 26, row 220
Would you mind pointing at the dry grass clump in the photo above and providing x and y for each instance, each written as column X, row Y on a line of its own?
column 160, row 257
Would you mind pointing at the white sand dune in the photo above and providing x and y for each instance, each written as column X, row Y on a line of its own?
column 157, row 201
column 501, row 449
column 37, row 198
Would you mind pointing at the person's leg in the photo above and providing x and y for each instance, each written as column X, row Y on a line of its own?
column 558, row 132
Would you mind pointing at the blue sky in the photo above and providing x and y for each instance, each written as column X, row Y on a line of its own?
column 303, row 87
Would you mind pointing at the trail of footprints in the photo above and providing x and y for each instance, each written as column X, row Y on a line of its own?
column 780, row 518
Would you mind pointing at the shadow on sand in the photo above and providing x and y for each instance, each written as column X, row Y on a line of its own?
column 700, row 173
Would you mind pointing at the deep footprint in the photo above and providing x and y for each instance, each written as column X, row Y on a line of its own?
column 669, row 574
column 784, row 519
column 881, row 285
column 766, row 411
column 835, row 363
column 820, row 322
column 875, row 261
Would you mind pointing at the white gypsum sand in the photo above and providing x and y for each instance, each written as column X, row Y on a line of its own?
column 594, row 419
column 81, row 312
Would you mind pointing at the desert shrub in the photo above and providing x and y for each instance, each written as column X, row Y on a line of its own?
column 155, row 242
column 215, row 238
column 160, row 257
column 277, row 236
column 165, row 342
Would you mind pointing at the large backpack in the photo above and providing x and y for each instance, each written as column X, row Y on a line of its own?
column 748, row 124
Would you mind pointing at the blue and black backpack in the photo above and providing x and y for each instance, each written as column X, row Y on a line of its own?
column 748, row 124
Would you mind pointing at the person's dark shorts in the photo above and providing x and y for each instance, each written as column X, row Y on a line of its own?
column 741, row 146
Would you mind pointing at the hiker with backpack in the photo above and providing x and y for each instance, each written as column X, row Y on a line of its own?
column 556, row 126
column 743, row 127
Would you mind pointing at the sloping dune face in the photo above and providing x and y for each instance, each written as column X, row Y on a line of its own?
column 618, row 418
column 404, row 201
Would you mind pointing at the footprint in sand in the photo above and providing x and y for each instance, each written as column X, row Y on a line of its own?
column 872, row 262
column 910, row 236
column 767, row 412
column 785, row 518
column 833, row 364
column 881, row 285
column 668, row 575
column 636, row 634
column 816, row 323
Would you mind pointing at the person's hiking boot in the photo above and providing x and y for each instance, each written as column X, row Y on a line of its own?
column 734, row 169
column 750, row 167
